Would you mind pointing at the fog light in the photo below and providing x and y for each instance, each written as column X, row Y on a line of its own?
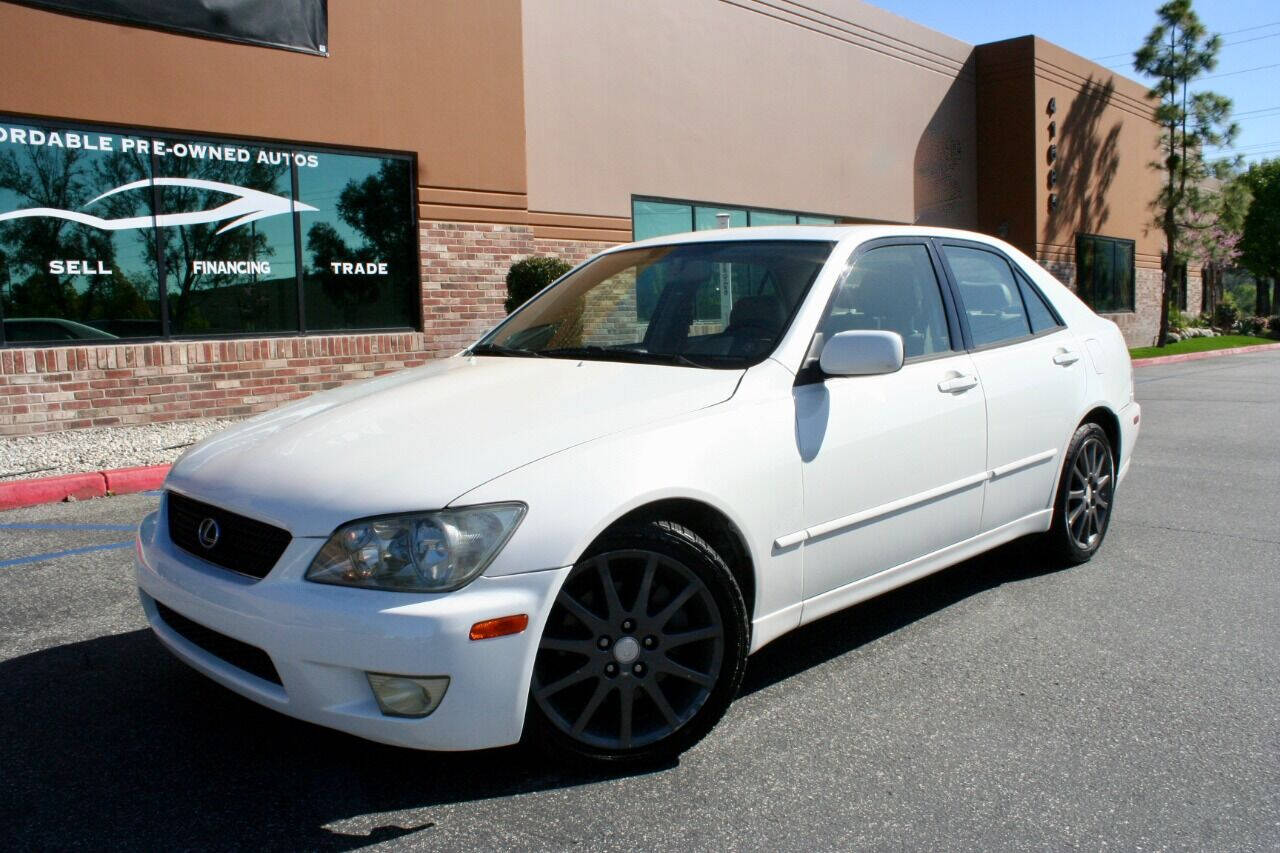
column 407, row 696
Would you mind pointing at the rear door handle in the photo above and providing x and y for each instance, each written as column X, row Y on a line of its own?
column 956, row 384
column 1065, row 357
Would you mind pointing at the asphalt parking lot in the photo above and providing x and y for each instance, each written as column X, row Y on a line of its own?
column 1130, row 703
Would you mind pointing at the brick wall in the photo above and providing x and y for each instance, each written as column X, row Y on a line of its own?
column 42, row 390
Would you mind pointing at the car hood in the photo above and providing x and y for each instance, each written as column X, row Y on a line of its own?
column 419, row 438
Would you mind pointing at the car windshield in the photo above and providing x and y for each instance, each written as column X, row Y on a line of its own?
column 722, row 304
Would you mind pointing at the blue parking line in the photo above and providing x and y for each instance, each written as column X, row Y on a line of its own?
column 53, row 555
column 50, row 526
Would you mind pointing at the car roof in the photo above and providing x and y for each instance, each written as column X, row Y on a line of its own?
column 833, row 233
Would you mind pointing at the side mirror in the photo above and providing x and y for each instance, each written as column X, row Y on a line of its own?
column 862, row 353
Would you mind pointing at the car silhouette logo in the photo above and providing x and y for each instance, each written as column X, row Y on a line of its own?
column 208, row 533
column 248, row 206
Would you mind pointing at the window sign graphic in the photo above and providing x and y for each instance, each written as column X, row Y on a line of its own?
column 107, row 234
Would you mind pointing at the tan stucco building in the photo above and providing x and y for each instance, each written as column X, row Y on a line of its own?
column 431, row 145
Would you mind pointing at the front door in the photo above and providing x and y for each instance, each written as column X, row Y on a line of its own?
column 893, row 465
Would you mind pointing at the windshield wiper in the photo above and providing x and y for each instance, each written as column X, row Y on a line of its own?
column 499, row 349
column 623, row 354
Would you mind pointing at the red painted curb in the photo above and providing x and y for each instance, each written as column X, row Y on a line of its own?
column 49, row 489
column 94, row 484
column 124, row 481
column 1196, row 356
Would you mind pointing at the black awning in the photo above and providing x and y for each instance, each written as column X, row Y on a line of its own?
column 301, row 25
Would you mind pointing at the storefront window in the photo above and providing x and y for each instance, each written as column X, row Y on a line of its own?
column 107, row 234
column 359, row 247
column 77, row 261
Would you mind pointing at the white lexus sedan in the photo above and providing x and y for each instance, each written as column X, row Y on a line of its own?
column 580, row 527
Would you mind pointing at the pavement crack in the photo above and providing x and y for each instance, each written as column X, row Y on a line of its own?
column 1204, row 532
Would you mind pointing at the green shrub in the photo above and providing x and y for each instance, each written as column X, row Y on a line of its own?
column 1225, row 317
column 527, row 277
column 1253, row 326
column 1273, row 327
column 1176, row 321
column 1198, row 321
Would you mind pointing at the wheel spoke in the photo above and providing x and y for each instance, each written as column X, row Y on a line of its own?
column 1103, row 480
column 683, row 638
column 589, row 710
column 1075, row 513
column 641, row 606
column 580, row 610
column 681, row 671
column 582, row 673
column 577, row 647
column 1075, row 495
column 654, row 689
column 676, row 603
column 627, row 701
column 610, row 591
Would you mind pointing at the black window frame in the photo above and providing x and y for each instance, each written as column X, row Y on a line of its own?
column 1088, row 294
column 291, row 146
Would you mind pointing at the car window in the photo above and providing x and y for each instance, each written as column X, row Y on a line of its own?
column 893, row 288
column 708, row 304
column 990, row 295
column 1037, row 309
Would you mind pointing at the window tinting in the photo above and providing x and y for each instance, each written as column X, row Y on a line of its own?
column 109, row 234
column 1037, row 309
column 1105, row 272
column 989, row 294
column 708, row 218
column 895, row 289
column 769, row 217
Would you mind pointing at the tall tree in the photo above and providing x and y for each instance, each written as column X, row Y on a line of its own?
column 1176, row 52
column 1260, row 244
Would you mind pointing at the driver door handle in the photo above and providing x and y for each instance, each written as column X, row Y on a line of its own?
column 956, row 384
column 1065, row 358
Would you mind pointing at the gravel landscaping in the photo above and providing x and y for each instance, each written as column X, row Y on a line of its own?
column 77, row 451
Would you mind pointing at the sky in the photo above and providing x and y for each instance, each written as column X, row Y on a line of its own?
column 1108, row 31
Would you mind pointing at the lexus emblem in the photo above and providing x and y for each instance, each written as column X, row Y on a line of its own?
column 208, row 533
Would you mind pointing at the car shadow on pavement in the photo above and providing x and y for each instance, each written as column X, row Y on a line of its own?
column 846, row 630
column 112, row 742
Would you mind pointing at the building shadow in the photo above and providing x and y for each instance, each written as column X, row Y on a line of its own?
column 1088, row 158
column 944, row 166
column 112, row 742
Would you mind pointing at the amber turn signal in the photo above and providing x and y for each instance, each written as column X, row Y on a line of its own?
column 500, row 627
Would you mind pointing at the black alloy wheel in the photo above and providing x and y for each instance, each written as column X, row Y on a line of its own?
column 643, row 650
column 1086, row 495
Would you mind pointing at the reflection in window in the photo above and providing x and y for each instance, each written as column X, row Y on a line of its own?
column 1105, row 272
column 895, row 289
column 223, row 277
column 62, row 279
column 990, row 295
column 660, row 217
column 360, row 250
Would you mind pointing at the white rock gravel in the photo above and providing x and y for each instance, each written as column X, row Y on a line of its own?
column 100, row 449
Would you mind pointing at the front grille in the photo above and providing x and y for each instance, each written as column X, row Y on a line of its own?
column 251, row 659
column 244, row 545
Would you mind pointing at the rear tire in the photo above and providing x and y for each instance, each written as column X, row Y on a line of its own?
column 643, row 651
column 1086, row 496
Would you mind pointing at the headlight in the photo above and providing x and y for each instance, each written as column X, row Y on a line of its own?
column 418, row 552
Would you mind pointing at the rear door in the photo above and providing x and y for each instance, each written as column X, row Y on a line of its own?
column 1031, row 369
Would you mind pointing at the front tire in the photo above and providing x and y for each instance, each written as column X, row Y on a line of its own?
column 1086, row 495
column 643, row 651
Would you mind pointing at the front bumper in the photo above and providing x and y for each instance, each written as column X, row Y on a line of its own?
column 323, row 639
